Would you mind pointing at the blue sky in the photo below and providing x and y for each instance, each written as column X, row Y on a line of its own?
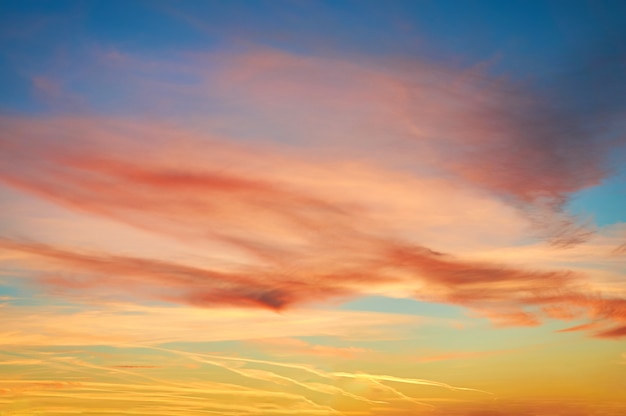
column 348, row 208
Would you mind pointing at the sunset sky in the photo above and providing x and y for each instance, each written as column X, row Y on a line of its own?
column 350, row 208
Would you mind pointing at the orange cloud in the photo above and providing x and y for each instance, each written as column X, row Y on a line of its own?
column 293, row 226
column 498, row 292
column 294, row 346
column 116, row 324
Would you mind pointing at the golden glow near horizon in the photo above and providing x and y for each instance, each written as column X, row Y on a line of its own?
column 239, row 214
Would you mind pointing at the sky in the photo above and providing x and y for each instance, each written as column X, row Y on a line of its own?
column 350, row 208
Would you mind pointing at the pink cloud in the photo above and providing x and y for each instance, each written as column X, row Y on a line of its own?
column 507, row 138
column 509, row 318
column 590, row 325
column 493, row 133
column 333, row 197
column 502, row 294
column 520, row 144
column 154, row 279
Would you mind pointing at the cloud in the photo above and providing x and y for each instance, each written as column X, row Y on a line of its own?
column 165, row 281
column 260, row 386
column 422, row 382
column 21, row 362
column 428, row 275
column 508, row 137
column 273, row 376
column 461, row 355
column 505, row 295
column 615, row 333
column 118, row 324
column 523, row 145
column 161, row 398
column 360, row 189
column 294, row 346
column 532, row 407
column 24, row 386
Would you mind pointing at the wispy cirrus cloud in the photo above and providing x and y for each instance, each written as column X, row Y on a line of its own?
column 506, row 295
column 295, row 346
column 290, row 385
column 298, row 228
column 124, row 323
